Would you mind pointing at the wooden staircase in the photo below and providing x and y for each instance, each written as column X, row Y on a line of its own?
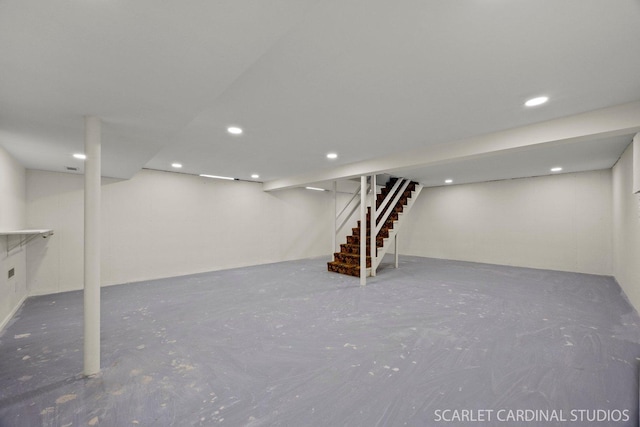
column 347, row 261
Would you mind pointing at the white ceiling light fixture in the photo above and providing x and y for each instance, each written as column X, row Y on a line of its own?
column 556, row 169
column 448, row 181
column 255, row 176
column 176, row 165
column 234, row 130
column 332, row 156
column 80, row 156
column 534, row 102
column 217, row 177
column 315, row 188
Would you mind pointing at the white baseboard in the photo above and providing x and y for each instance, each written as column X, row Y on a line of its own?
column 39, row 293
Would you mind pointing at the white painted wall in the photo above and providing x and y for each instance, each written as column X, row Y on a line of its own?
column 626, row 228
column 559, row 222
column 161, row 224
column 12, row 217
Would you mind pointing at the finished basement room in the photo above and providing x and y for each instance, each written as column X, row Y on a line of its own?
column 303, row 213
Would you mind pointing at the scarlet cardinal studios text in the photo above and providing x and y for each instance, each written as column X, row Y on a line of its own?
column 530, row 415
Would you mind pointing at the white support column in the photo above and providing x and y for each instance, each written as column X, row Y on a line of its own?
column 396, row 249
column 335, row 218
column 363, row 230
column 92, row 174
column 372, row 231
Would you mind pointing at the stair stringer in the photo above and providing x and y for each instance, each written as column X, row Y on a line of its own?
column 388, row 241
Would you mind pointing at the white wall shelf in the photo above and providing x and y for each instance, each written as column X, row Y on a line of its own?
column 25, row 236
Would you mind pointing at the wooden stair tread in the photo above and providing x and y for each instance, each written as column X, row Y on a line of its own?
column 347, row 261
column 348, row 269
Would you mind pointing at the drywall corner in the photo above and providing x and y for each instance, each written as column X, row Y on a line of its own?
column 13, row 281
column 626, row 225
column 636, row 164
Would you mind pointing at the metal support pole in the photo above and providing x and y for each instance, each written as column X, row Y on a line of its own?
column 92, row 145
column 363, row 230
column 372, row 231
column 335, row 218
column 396, row 248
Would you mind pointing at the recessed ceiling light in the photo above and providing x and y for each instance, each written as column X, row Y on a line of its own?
column 332, row 156
column 217, row 177
column 234, row 130
column 80, row 156
column 255, row 176
column 556, row 169
column 448, row 181
column 314, row 188
column 533, row 102
column 176, row 165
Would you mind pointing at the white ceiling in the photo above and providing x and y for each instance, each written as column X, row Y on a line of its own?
column 364, row 78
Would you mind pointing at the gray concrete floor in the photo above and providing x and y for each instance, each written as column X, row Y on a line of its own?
column 290, row 344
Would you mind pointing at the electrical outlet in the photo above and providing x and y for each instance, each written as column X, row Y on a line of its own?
column 12, row 273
